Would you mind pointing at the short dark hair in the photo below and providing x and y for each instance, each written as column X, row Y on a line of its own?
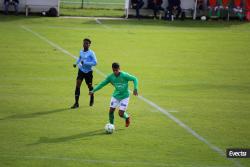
column 115, row 65
column 87, row 39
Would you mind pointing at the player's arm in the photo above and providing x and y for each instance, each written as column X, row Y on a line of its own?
column 77, row 61
column 93, row 61
column 135, row 81
column 100, row 86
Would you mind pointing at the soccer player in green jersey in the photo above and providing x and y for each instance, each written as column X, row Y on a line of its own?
column 120, row 97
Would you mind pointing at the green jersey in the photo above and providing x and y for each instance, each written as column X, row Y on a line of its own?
column 120, row 83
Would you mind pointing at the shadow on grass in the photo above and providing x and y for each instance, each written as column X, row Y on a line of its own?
column 33, row 115
column 44, row 140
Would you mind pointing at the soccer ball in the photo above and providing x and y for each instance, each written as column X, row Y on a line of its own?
column 109, row 128
column 203, row 18
column 43, row 13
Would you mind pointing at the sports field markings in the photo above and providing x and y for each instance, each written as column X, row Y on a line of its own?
column 99, row 22
column 155, row 110
column 149, row 102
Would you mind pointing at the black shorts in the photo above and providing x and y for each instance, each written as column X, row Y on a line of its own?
column 87, row 76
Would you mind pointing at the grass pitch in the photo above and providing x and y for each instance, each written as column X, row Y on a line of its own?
column 198, row 71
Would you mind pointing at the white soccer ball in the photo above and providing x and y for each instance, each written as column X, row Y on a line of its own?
column 203, row 18
column 109, row 128
column 44, row 13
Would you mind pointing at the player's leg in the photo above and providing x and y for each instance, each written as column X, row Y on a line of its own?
column 16, row 8
column 218, row 11
column 240, row 14
column 6, row 7
column 155, row 9
column 122, row 111
column 79, row 79
column 210, row 11
column 167, row 13
column 111, row 115
column 138, row 7
column 123, row 114
column 88, row 81
column 113, row 104
column 178, row 12
column 225, row 12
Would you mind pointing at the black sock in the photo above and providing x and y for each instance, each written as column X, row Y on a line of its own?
column 92, row 96
column 77, row 94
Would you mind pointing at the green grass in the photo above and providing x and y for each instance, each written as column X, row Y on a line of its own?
column 199, row 69
column 106, row 8
column 69, row 11
column 105, row 4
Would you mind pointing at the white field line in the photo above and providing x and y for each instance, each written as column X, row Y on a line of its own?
column 99, row 22
column 152, row 104
column 155, row 110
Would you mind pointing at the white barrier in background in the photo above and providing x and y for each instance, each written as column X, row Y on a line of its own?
column 34, row 6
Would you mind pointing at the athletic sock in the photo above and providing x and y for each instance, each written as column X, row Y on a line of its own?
column 77, row 94
column 125, row 115
column 91, row 100
column 111, row 117
column 240, row 16
column 210, row 13
column 218, row 13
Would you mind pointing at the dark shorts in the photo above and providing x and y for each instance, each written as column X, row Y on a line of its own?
column 87, row 76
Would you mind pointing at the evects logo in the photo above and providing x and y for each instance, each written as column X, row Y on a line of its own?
column 238, row 153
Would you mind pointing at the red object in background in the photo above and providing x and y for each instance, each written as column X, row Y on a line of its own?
column 247, row 4
column 212, row 3
column 248, row 10
column 225, row 2
column 237, row 3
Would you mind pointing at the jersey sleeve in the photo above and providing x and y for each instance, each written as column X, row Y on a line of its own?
column 102, row 84
column 78, row 59
column 134, row 79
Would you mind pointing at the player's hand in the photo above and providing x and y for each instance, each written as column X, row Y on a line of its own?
column 135, row 92
column 91, row 93
column 74, row 65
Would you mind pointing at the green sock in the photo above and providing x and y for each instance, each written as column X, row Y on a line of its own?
column 210, row 13
column 111, row 117
column 125, row 115
column 240, row 16
column 218, row 13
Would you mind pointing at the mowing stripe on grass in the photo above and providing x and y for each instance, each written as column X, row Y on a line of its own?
column 96, row 161
column 91, row 18
column 152, row 104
